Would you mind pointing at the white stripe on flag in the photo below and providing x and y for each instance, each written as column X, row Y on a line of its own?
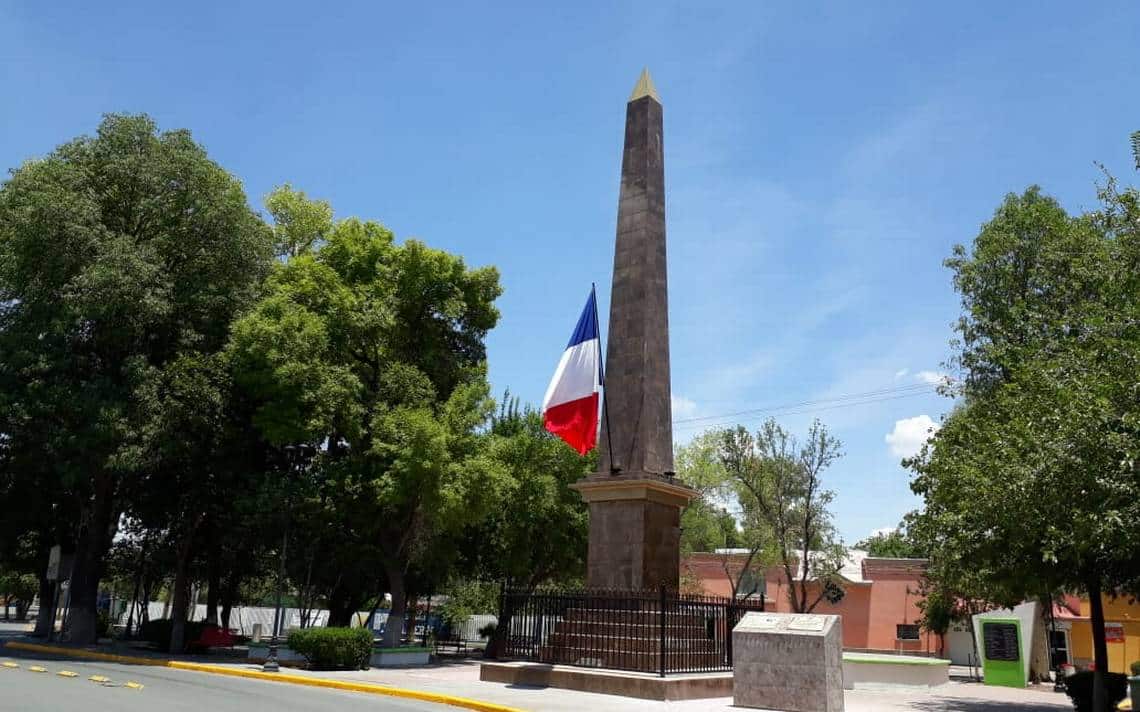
column 576, row 376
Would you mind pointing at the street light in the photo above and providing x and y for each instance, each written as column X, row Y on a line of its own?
column 298, row 458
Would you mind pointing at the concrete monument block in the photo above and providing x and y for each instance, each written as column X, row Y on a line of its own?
column 788, row 661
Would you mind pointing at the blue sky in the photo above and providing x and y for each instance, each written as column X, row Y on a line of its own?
column 821, row 160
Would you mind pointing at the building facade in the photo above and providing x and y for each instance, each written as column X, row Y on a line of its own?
column 879, row 606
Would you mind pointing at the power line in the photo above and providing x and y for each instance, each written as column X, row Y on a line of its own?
column 825, row 403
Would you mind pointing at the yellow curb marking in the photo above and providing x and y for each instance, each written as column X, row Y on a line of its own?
column 67, row 673
column 134, row 685
column 11, row 665
column 99, row 678
column 453, row 700
column 37, row 668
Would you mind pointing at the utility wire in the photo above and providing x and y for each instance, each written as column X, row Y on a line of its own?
column 866, row 397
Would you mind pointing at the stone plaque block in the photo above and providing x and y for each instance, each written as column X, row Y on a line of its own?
column 787, row 661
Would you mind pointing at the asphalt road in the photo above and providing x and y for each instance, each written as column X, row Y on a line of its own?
column 22, row 690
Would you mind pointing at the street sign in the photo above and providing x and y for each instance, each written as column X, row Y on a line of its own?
column 53, row 564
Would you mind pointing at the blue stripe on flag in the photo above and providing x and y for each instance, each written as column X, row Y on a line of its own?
column 587, row 324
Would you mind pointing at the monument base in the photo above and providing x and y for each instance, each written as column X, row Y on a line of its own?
column 788, row 662
column 635, row 530
column 641, row 685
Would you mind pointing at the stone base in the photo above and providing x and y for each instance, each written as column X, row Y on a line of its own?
column 788, row 662
column 645, row 686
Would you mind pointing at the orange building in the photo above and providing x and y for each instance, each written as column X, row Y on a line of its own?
column 879, row 607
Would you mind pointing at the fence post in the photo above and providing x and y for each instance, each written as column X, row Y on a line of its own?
column 661, row 617
column 730, row 623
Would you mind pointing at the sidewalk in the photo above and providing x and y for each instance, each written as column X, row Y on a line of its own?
column 460, row 679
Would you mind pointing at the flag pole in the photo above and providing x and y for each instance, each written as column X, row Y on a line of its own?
column 602, row 380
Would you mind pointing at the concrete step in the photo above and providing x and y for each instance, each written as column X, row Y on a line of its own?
column 630, row 627
column 643, row 662
column 645, row 614
column 633, row 644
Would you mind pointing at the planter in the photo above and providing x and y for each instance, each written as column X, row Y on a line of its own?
column 862, row 670
column 399, row 657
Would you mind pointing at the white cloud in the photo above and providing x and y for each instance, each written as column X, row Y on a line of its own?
column 901, row 372
column 909, row 434
column 883, row 531
column 932, row 378
column 683, row 407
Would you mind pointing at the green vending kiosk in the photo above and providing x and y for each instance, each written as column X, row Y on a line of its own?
column 1002, row 656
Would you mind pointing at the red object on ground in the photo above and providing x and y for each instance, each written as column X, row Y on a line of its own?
column 214, row 637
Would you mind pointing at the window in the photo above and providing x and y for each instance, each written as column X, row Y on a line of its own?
column 904, row 631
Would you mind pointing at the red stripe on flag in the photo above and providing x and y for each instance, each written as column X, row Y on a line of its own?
column 575, row 421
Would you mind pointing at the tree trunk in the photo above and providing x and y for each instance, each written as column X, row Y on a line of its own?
column 181, row 594
column 394, row 627
column 213, row 588
column 46, row 617
column 1100, row 645
column 340, row 607
column 229, row 593
column 90, row 554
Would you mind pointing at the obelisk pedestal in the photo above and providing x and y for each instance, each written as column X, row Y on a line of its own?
column 635, row 503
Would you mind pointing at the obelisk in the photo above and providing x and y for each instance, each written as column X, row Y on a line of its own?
column 635, row 503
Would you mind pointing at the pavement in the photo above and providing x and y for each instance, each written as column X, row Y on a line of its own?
column 180, row 689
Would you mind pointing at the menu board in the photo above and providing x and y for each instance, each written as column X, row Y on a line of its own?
column 1000, row 640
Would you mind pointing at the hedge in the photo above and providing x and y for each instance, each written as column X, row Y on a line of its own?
column 333, row 648
column 1079, row 688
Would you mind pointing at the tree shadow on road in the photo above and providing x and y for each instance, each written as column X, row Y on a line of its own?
column 958, row 704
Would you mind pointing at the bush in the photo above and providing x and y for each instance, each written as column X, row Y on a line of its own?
column 1079, row 688
column 1136, row 669
column 158, row 632
column 333, row 648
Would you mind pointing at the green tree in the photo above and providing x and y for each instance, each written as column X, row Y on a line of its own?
column 1030, row 483
column 779, row 483
column 118, row 252
column 895, row 544
column 376, row 349
column 537, row 531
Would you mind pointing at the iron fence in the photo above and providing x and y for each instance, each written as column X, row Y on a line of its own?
column 657, row 631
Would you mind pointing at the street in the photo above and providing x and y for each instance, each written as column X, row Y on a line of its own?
column 26, row 691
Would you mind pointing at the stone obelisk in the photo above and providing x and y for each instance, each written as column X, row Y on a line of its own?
column 635, row 504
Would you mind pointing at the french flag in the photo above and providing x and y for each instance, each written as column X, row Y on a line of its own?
column 570, row 408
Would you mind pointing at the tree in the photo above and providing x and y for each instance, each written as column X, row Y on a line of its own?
column 537, row 531
column 117, row 253
column 376, row 349
column 779, row 484
column 1029, row 485
column 895, row 544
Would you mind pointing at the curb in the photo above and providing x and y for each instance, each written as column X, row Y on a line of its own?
column 364, row 687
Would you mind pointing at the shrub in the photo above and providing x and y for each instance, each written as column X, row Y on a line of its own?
column 158, row 632
column 333, row 648
column 1079, row 688
column 1136, row 669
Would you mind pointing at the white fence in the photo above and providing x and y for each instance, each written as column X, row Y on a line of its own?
column 243, row 618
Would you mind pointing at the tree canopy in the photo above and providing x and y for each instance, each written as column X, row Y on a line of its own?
column 1029, row 486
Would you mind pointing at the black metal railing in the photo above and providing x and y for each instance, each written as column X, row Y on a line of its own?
column 657, row 631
